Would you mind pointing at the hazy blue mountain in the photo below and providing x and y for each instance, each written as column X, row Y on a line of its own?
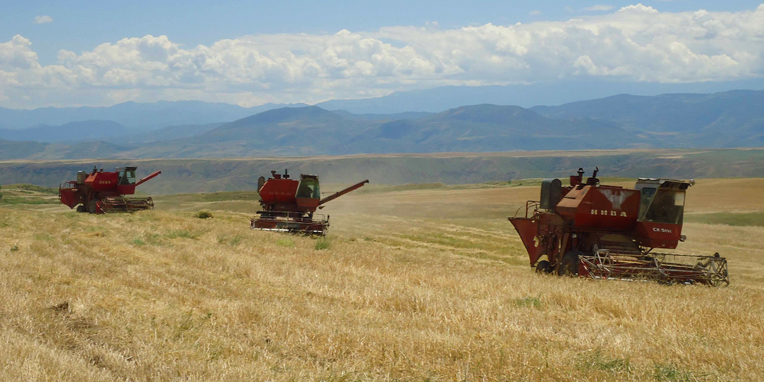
column 540, row 93
column 69, row 132
column 382, row 117
column 481, row 128
column 166, row 134
column 287, row 131
column 315, row 131
column 81, row 150
column 729, row 119
column 19, row 150
column 145, row 116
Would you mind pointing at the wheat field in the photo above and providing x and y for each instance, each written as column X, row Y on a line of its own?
column 410, row 285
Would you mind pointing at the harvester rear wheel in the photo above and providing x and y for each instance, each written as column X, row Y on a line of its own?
column 569, row 266
column 543, row 267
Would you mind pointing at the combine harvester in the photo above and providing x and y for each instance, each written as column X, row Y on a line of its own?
column 103, row 192
column 610, row 232
column 289, row 205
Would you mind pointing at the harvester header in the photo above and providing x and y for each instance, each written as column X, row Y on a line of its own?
column 604, row 231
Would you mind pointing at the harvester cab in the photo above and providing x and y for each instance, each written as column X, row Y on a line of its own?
column 604, row 231
column 289, row 205
column 100, row 192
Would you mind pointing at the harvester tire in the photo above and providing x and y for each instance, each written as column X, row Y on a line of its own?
column 80, row 208
column 569, row 266
column 543, row 267
column 92, row 208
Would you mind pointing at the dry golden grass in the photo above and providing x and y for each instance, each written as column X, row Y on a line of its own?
column 414, row 285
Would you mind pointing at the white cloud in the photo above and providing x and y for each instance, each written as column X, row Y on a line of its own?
column 599, row 8
column 43, row 19
column 635, row 43
column 535, row 13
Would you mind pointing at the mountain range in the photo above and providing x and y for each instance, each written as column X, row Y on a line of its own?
column 728, row 119
column 138, row 116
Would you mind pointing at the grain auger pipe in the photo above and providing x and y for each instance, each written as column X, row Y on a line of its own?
column 340, row 193
column 146, row 179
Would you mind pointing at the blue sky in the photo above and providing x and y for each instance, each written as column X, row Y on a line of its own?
column 264, row 28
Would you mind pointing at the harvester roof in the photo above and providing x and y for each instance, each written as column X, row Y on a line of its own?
column 674, row 184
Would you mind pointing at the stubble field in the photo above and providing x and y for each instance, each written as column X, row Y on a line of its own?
column 424, row 282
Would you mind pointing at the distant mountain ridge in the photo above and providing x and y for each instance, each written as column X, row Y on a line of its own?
column 140, row 116
column 69, row 132
column 442, row 98
column 482, row 128
column 729, row 119
column 309, row 131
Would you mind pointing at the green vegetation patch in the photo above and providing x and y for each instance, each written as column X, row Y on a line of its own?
column 212, row 196
column 183, row 234
column 323, row 243
column 22, row 200
column 755, row 219
column 203, row 215
column 33, row 188
column 528, row 302
column 27, row 194
column 229, row 240
column 595, row 360
column 670, row 372
column 285, row 242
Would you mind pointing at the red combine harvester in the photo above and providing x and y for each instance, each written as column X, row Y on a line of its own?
column 101, row 192
column 288, row 205
column 610, row 232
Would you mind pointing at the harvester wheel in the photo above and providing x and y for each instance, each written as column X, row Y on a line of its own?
column 92, row 208
column 80, row 208
column 543, row 267
column 569, row 265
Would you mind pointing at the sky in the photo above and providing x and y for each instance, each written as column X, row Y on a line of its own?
column 84, row 53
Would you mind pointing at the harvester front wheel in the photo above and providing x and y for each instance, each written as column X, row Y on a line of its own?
column 543, row 267
column 569, row 265
column 80, row 208
column 92, row 208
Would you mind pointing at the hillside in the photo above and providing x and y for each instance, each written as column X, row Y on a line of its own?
column 410, row 285
column 442, row 98
column 730, row 119
column 209, row 175
column 483, row 128
column 168, row 133
column 720, row 120
column 81, row 150
column 17, row 150
column 134, row 115
column 315, row 131
column 92, row 130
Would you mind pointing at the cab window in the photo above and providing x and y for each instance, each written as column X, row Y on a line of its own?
column 663, row 206
column 127, row 177
column 309, row 189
